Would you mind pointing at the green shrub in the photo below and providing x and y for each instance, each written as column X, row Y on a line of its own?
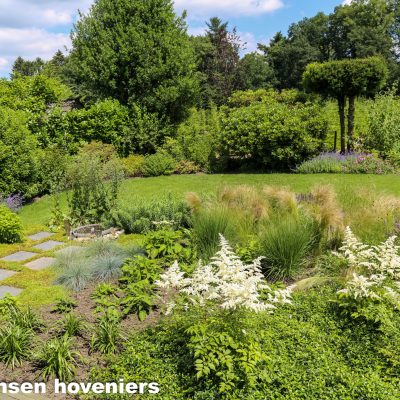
column 158, row 164
column 15, row 344
column 145, row 216
column 195, row 139
column 57, row 359
column 272, row 134
column 284, row 246
column 132, row 165
column 10, row 226
column 185, row 167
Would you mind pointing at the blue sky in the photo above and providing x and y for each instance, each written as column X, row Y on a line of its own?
column 31, row 28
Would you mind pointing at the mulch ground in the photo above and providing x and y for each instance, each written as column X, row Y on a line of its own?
column 28, row 372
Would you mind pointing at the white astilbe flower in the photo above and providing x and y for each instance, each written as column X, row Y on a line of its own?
column 226, row 281
column 381, row 260
column 171, row 278
column 355, row 252
column 361, row 287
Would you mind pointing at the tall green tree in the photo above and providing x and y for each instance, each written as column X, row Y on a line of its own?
column 306, row 42
column 361, row 29
column 22, row 67
column 253, row 72
column 218, row 54
column 346, row 79
column 136, row 52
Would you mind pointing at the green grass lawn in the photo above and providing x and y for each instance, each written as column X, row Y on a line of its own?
column 350, row 189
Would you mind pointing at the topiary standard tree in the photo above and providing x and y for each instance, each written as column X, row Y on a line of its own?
column 346, row 79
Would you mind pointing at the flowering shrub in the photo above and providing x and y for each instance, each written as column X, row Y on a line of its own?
column 349, row 163
column 13, row 202
column 378, row 283
column 226, row 282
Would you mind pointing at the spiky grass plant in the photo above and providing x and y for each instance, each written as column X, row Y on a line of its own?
column 327, row 212
column 77, row 277
column 208, row 224
column 107, row 267
column 281, row 199
column 103, row 247
column 284, row 246
column 107, row 335
column 68, row 257
column 15, row 344
column 25, row 318
column 244, row 198
column 72, row 325
column 57, row 359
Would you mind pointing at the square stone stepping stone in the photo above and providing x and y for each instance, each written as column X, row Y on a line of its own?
column 40, row 235
column 69, row 249
column 5, row 273
column 9, row 290
column 49, row 245
column 19, row 256
column 40, row 263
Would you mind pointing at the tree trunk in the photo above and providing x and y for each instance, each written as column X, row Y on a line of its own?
column 350, row 122
column 342, row 107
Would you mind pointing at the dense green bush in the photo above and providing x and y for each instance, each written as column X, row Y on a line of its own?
column 19, row 161
column 196, row 138
column 383, row 133
column 132, row 165
column 272, row 134
column 145, row 216
column 10, row 226
column 158, row 164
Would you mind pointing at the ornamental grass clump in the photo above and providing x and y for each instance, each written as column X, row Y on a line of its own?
column 225, row 283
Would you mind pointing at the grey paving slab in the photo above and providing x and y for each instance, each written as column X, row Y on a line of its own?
column 40, row 235
column 40, row 263
column 49, row 245
column 10, row 290
column 69, row 249
column 5, row 273
column 19, row 256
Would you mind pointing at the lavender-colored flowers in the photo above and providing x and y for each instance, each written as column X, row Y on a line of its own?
column 13, row 202
column 349, row 163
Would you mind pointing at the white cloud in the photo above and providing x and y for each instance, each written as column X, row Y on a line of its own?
column 198, row 9
column 28, row 43
column 39, row 14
